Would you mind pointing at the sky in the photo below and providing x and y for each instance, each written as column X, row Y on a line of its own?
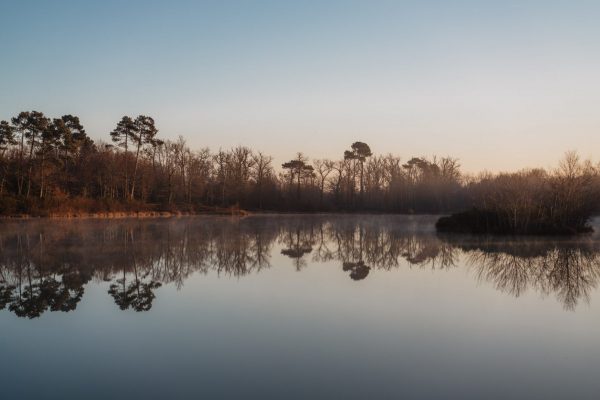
column 501, row 85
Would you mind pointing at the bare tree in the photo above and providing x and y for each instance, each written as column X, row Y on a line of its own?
column 323, row 168
column 262, row 170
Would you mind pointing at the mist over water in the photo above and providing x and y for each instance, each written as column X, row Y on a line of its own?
column 295, row 307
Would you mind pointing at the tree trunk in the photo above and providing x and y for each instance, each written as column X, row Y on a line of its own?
column 361, row 179
column 42, row 178
column 126, row 192
column 30, row 164
column 137, row 156
column 20, row 177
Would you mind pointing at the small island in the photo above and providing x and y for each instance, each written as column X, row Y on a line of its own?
column 478, row 221
column 531, row 202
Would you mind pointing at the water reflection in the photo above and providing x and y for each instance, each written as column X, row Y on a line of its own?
column 45, row 266
column 568, row 269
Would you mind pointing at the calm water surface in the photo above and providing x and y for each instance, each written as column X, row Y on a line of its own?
column 294, row 307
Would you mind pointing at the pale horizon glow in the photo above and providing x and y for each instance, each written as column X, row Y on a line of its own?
column 499, row 85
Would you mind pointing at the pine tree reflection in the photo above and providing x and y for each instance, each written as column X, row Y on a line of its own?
column 137, row 294
column 298, row 237
column 31, row 282
column 358, row 270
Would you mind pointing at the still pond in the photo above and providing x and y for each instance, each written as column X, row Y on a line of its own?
column 284, row 307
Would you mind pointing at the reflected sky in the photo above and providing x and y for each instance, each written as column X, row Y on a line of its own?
column 294, row 307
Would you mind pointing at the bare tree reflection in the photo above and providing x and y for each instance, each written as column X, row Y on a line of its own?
column 568, row 269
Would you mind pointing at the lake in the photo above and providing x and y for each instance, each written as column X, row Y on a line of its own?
column 285, row 307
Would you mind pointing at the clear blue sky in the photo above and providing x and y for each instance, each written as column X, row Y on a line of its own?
column 501, row 85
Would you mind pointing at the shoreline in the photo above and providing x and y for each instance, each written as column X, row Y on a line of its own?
column 177, row 214
column 122, row 215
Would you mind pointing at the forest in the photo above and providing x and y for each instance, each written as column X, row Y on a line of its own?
column 50, row 166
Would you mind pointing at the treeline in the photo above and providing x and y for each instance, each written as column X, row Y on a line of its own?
column 50, row 165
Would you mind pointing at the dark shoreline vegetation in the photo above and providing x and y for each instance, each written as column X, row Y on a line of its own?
column 50, row 167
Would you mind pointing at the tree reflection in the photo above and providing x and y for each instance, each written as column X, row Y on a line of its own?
column 298, row 238
column 358, row 270
column 45, row 266
column 28, row 287
column 137, row 294
column 6, row 294
column 569, row 270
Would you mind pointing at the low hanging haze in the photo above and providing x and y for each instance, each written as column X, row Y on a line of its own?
column 501, row 85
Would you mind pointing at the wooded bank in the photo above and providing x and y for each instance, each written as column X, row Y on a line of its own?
column 50, row 166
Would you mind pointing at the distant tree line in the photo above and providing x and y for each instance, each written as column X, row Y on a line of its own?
column 51, row 165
